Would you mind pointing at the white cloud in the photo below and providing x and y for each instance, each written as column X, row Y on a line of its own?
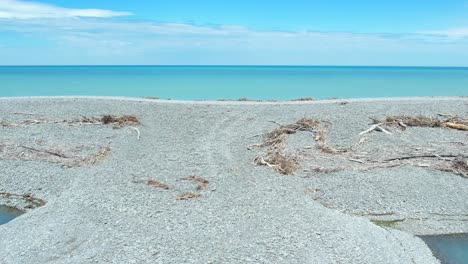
column 86, row 36
column 13, row 9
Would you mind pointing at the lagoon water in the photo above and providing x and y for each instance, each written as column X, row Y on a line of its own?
column 233, row 82
column 450, row 249
column 7, row 214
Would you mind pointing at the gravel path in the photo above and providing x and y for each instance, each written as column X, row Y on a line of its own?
column 105, row 212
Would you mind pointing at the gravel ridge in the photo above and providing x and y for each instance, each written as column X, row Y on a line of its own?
column 106, row 213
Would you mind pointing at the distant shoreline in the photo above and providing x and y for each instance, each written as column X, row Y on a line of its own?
column 241, row 101
column 234, row 66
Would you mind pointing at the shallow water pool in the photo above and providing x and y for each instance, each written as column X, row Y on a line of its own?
column 8, row 213
column 449, row 249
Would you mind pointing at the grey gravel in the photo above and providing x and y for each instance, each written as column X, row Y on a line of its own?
column 104, row 213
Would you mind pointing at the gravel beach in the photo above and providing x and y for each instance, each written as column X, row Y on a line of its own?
column 182, row 186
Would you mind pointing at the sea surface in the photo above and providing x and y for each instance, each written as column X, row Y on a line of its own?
column 233, row 82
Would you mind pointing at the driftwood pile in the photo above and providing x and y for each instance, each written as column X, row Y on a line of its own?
column 349, row 158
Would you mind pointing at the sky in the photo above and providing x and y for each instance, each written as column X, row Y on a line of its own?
column 234, row 32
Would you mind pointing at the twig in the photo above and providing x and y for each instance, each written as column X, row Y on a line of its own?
column 356, row 160
column 274, row 122
column 422, row 156
column 47, row 152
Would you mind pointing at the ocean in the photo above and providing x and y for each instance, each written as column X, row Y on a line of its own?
column 232, row 82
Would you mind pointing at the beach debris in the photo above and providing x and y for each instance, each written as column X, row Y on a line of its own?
column 60, row 155
column 245, row 99
column 120, row 121
column 157, row 184
column 274, row 140
column 31, row 201
column 439, row 156
column 302, row 99
column 459, row 166
column 329, row 159
column 202, row 182
column 376, row 127
column 456, row 126
column 92, row 159
column 137, row 131
column 53, row 154
column 404, row 121
column 276, row 156
column 284, row 165
column 115, row 121
column 326, row 170
column 187, row 196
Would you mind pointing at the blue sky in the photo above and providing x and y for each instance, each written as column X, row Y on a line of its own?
column 294, row 32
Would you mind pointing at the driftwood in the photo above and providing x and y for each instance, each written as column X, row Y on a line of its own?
column 350, row 158
column 456, row 126
column 376, row 127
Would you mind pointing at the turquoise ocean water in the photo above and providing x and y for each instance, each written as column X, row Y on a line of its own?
column 232, row 82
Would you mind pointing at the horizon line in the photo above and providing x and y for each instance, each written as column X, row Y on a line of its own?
column 230, row 65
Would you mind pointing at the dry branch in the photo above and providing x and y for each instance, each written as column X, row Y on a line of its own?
column 422, row 156
column 60, row 155
column 188, row 196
